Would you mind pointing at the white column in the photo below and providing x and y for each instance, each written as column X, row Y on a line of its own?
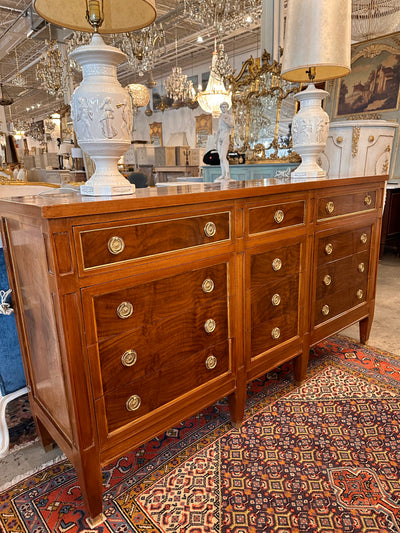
column 271, row 27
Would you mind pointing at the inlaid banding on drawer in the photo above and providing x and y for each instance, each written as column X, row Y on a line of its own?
column 274, row 300
column 164, row 385
column 160, row 344
column 159, row 299
column 273, row 332
column 264, row 266
column 346, row 272
column 151, row 238
column 272, row 217
column 334, row 206
column 339, row 245
column 335, row 304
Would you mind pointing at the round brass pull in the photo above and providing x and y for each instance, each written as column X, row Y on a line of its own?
column 129, row 358
column 276, row 300
column 125, row 310
column 371, row 139
column 277, row 264
column 207, row 285
column 325, row 310
column 210, row 229
column 328, row 248
column 361, row 267
column 211, row 362
column 367, row 200
column 116, row 245
column 330, row 207
column 276, row 333
column 279, row 216
column 364, row 238
column 327, row 280
column 133, row 403
column 209, row 325
column 339, row 139
column 360, row 294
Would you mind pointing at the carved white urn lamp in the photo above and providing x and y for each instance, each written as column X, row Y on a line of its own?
column 101, row 108
column 317, row 48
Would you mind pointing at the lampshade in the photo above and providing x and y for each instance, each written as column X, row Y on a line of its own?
column 120, row 16
column 318, row 34
column 139, row 94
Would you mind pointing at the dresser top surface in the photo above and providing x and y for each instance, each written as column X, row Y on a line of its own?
column 57, row 203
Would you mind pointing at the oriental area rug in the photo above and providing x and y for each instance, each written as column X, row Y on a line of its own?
column 320, row 457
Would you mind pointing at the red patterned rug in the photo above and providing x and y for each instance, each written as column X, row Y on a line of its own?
column 323, row 457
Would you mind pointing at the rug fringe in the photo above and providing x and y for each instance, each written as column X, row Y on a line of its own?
column 25, row 475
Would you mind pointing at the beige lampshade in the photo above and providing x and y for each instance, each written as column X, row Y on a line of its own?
column 119, row 15
column 318, row 34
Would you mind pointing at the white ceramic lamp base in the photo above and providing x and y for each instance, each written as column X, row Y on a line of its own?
column 310, row 128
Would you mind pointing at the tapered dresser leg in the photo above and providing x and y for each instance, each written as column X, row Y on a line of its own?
column 91, row 484
column 300, row 364
column 365, row 329
column 237, row 400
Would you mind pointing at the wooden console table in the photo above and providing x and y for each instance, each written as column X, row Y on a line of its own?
column 137, row 312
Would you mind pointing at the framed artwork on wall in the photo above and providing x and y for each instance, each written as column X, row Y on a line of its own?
column 156, row 133
column 203, row 129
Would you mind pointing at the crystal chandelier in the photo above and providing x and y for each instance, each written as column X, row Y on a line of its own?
column 50, row 70
column 139, row 94
column 223, row 66
column 142, row 47
column 215, row 93
column 18, row 80
column 178, row 87
column 224, row 15
column 371, row 18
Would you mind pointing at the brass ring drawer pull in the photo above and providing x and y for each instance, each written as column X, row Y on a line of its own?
column 327, row 280
column 329, row 248
column 129, row 358
column 276, row 300
column 364, row 238
column 367, row 200
column 276, row 333
column 279, row 216
column 361, row 267
column 125, row 310
column 277, row 264
column 207, row 285
column 116, row 245
column 325, row 310
column 330, row 207
column 133, row 403
column 360, row 294
column 211, row 362
column 209, row 325
column 210, row 229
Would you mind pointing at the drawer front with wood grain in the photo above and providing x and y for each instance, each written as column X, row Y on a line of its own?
column 132, row 401
column 332, row 247
column 104, row 246
column 333, row 206
column 276, row 216
column 274, row 264
column 333, row 305
column 274, row 332
column 274, row 300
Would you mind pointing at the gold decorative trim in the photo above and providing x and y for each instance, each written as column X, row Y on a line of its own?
column 355, row 139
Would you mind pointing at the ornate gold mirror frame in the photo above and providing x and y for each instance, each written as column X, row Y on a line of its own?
column 258, row 93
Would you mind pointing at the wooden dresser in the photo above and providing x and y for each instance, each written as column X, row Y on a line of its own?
column 136, row 312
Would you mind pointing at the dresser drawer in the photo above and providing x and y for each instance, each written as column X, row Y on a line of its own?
column 330, row 306
column 126, row 358
column 119, row 243
column 272, row 217
column 159, row 299
column 275, row 264
column 274, row 332
column 333, row 206
column 274, row 300
column 164, row 385
column 336, row 276
column 332, row 247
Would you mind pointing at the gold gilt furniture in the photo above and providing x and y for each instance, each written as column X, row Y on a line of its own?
column 135, row 313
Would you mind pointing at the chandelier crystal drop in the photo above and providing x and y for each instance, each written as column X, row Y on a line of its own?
column 142, row 47
column 50, row 70
column 372, row 18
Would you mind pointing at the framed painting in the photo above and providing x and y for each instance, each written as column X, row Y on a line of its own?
column 373, row 84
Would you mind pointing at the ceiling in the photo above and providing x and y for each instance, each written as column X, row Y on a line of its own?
column 23, row 37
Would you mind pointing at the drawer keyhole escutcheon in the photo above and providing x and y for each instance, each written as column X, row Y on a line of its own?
column 327, row 280
column 328, row 248
column 367, row 200
column 364, row 238
column 129, row 358
column 116, row 245
column 125, row 310
column 211, row 362
column 210, row 229
column 330, row 207
column 277, row 264
column 361, row 267
column 276, row 333
column 279, row 216
column 325, row 310
column 133, row 403
column 207, row 285
column 209, row 325
column 276, row 300
column 360, row 294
